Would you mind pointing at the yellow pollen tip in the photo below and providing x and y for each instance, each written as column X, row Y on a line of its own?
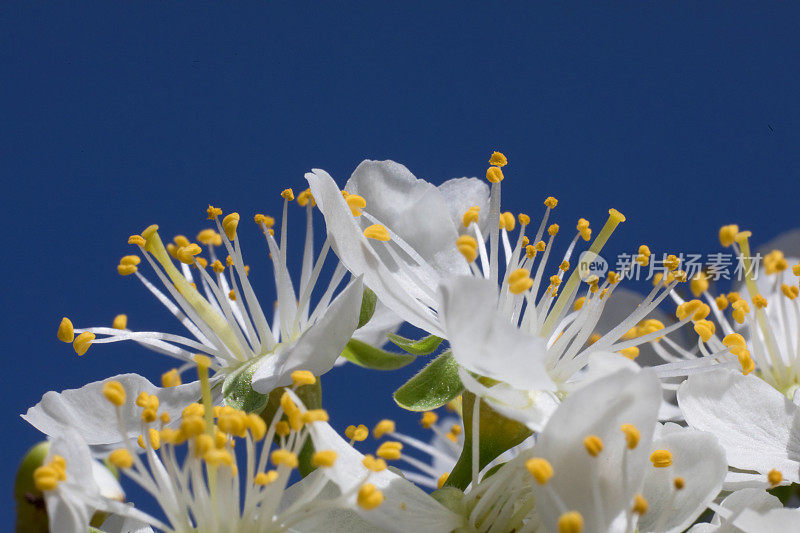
column 126, row 270
column 377, row 232
column 727, row 234
column 471, row 215
column 82, row 342
column 540, row 469
column 679, row 483
column 705, row 328
column 287, row 194
column 120, row 322
column 498, row 159
column 357, row 434
column 285, row 458
column 265, row 478
column 468, row 247
column 213, row 212
column 46, row 477
column 519, row 281
column 631, row 352
column 507, row 221
column 315, row 415
column 356, row 203
column 759, row 301
column 171, row 378
column 389, row 450
column 229, row 225
column 774, row 477
column 524, row 219
column 550, row 202
column 494, row 175
column 570, row 522
column 121, row 458
column 593, row 445
column 369, row 497
column 373, row 464
column 305, row 197
column 429, row 418
column 579, row 303
column 383, row 427
column 66, row 333
column 442, row 480
column 790, row 291
column 303, row 377
column 632, row 435
column 202, row 361
column 639, row 504
column 114, row 392
column 552, row 230
column 324, row 458
column 661, row 458
column 264, row 219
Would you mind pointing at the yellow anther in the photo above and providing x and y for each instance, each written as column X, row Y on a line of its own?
column 429, row 418
column 218, row 267
column 324, row 458
column 746, row 361
column 66, row 333
column 722, row 302
column 699, row 284
column 451, row 436
column 632, row 435
column 727, row 234
column 303, row 377
column 185, row 254
column 555, row 281
column 740, row 310
column 639, row 504
column 672, row 262
column 213, row 212
column 121, row 458
column 530, row 251
column 373, row 464
column 759, row 301
column 126, row 270
column 386, row 426
column 507, row 221
column 552, row 230
column 734, row 297
column 114, row 392
column 172, row 250
column 525, row 241
column 282, row 429
column 357, row 434
column 287, row 194
column 471, row 215
column 45, row 478
column 193, row 409
column 579, row 303
column 644, row 255
column 265, row 478
column 678, row 483
column 268, row 221
column 468, row 247
column 218, row 457
column 377, row 232
column 593, row 338
column 442, row 480
column 229, row 225
column 369, row 497
column 775, row 262
column 694, row 309
column 796, row 269
column 389, row 450
column 494, row 174
column 180, row 241
column 498, row 159
column 550, row 202
column 137, row 240
column 519, row 281
column 593, row 445
column 315, row 415
column 284, row 458
column 570, row 522
column 155, row 439
column 257, row 426
column 305, row 197
column 149, row 415
column 774, row 477
column 209, row 237
column 130, row 260
column 613, row 277
column 631, row 352
column 356, row 203
column 192, row 426
column 540, row 469
column 661, row 458
column 120, row 322
column 524, row 219
column 164, row 418
column 82, row 342
column 171, row 378
column 540, row 246
column 790, row 291
column 704, row 328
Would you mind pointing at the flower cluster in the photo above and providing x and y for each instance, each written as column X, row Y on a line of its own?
column 558, row 400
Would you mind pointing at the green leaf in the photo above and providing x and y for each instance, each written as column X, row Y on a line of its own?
column 423, row 346
column 237, row 390
column 368, row 356
column 432, row 387
column 368, row 302
column 496, row 435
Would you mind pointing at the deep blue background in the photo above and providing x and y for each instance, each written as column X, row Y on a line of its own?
column 116, row 115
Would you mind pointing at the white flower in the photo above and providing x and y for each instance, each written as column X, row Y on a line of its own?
column 736, row 503
column 226, row 321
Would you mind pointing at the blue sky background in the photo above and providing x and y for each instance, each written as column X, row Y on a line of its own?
column 116, row 115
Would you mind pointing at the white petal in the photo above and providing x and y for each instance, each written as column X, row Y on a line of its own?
column 106, row 482
column 93, row 417
column 773, row 521
column 700, row 461
column 357, row 255
column 383, row 322
column 318, row 347
column 758, row 426
column 462, row 193
column 123, row 524
column 485, row 342
column 599, row 408
column 414, row 209
column 405, row 508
